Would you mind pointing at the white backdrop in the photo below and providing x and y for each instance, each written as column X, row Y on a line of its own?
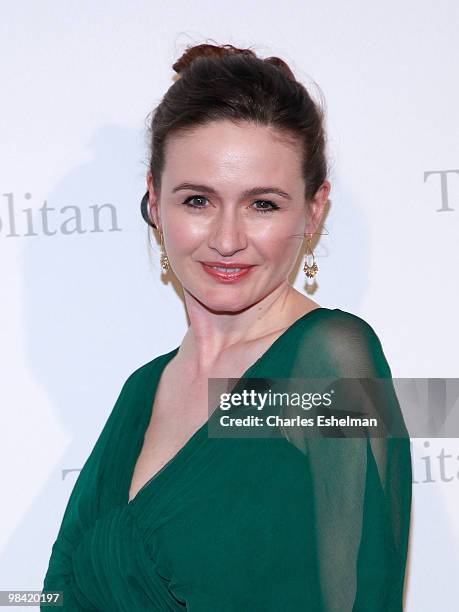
column 80, row 311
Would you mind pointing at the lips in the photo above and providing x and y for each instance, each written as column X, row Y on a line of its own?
column 226, row 272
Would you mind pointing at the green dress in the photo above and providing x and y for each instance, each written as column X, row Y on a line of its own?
column 244, row 524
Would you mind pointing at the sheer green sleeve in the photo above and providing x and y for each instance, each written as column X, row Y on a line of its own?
column 361, row 485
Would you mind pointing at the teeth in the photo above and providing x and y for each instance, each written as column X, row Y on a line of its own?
column 222, row 269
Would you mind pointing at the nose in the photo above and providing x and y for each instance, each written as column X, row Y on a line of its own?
column 227, row 233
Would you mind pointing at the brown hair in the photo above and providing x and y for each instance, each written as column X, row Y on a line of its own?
column 218, row 82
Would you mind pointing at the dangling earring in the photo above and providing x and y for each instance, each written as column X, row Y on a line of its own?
column 310, row 270
column 164, row 259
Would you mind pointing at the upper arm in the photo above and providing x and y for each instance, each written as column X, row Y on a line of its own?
column 361, row 484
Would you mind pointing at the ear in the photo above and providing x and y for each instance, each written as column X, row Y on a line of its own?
column 153, row 204
column 316, row 208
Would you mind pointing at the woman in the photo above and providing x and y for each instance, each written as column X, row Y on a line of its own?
column 165, row 517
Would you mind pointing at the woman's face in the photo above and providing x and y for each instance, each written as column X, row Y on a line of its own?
column 232, row 194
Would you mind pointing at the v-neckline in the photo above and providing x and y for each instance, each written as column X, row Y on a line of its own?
column 198, row 433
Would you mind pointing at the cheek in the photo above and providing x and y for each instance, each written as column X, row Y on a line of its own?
column 183, row 239
column 278, row 242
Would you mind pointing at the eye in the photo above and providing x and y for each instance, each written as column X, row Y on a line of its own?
column 273, row 206
column 188, row 201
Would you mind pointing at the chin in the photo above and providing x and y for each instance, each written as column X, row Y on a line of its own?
column 225, row 306
column 222, row 300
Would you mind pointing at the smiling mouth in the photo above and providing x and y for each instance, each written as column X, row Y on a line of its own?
column 226, row 272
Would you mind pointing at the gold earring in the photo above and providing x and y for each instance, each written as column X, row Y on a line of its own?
column 310, row 270
column 164, row 260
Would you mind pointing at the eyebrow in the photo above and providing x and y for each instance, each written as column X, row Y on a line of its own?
column 244, row 194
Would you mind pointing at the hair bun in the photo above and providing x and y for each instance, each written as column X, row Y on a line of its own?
column 205, row 50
